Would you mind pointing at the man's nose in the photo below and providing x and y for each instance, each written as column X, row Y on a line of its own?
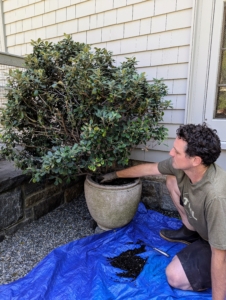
column 171, row 153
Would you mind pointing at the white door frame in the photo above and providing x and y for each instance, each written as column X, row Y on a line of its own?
column 204, row 64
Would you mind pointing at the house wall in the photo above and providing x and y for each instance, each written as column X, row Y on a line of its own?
column 156, row 32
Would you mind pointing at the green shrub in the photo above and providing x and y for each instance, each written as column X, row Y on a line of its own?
column 73, row 111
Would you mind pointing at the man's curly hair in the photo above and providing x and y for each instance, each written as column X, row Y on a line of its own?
column 201, row 141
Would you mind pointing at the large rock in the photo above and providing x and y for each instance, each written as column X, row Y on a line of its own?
column 11, row 207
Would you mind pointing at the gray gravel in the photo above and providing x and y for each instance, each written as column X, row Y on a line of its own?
column 20, row 252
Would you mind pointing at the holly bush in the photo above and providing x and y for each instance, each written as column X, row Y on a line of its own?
column 73, row 111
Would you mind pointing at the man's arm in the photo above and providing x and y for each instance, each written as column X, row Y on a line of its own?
column 218, row 274
column 136, row 171
column 139, row 171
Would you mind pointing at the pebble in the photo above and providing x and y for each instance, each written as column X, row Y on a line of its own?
column 20, row 252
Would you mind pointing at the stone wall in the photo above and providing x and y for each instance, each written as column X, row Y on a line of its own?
column 22, row 201
column 154, row 191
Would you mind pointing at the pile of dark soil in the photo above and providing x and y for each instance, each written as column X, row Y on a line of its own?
column 129, row 262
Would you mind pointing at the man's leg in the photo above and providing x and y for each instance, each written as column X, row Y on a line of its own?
column 186, row 234
column 190, row 268
column 176, row 276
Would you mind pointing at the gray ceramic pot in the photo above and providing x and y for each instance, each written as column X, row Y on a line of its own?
column 112, row 206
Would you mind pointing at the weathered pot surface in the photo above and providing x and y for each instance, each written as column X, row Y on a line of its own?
column 112, row 206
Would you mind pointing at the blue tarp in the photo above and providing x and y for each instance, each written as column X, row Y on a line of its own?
column 81, row 270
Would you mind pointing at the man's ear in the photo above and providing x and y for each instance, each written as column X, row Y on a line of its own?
column 197, row 161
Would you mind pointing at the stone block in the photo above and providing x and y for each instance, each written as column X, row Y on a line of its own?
column 73, row 191
column 43, row 194
column 11, row 183
column 151, row 193
column 48, row 205
column 31, row 188
column 29, row 213
column 151, row 188
column 12, row 229
column 2, row 236
column 166, row 203
column 11, row 207
column 10, row 177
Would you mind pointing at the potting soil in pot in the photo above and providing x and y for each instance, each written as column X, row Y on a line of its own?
column 117, row 181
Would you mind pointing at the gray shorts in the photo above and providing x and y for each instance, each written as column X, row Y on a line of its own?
column 196, row 261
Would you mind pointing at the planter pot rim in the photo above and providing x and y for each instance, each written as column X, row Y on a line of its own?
column 113, row 187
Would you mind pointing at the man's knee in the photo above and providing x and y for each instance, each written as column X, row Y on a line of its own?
column 173, row 277
column 176, row 276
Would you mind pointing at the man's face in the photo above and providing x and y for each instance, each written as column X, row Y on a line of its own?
column 179, row 158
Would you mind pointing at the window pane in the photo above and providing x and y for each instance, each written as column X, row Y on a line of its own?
column 221, row 103
column 223, row 68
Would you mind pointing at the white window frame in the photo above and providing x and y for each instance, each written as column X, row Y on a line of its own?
column 205, row 64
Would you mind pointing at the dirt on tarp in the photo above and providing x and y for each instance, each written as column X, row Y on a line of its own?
column 130, row 262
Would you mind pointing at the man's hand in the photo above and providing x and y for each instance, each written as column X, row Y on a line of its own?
column 108, row 177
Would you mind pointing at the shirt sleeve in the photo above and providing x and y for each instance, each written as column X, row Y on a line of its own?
column 216, row 223
column 165, row 167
